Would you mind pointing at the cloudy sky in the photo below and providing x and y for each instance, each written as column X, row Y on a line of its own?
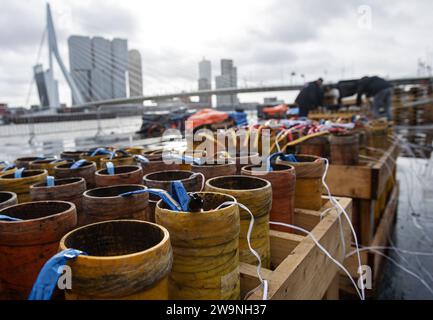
column 268, row 39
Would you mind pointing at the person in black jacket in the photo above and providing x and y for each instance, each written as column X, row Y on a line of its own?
column 380, row 90
column 310, row 97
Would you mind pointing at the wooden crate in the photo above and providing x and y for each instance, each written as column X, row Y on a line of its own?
column 299, row 269
column 375, row 261
column 369, row 184
column 366, row 180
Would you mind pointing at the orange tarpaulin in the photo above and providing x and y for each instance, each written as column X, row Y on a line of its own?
column 281, row 109
column 205, row 116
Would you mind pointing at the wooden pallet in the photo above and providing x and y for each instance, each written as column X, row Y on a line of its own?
column 299, row 269
column 375, row 261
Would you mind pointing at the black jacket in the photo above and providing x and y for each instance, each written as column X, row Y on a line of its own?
column 311, row 96
column 370, row 86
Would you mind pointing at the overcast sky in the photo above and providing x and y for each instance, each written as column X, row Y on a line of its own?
column 268, row 39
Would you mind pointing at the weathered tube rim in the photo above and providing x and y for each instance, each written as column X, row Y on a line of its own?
column 26, row 174
column 112, row 192
column 215, row 163
column 119, row 170
column 165, row 236
column 276, row 168
column 7, row 196
column 169, row 175
column 46, row 161
column 47, row 207
column 205, row 195
column 238, row 183
column 59, row 182
column 67, row 166
column 27, row 159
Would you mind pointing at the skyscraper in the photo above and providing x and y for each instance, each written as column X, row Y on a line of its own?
column 135, row 73
column 80, row 62
column 205, row 80
column 98, row 66
column 102, row 69
column 119, row 53
column 227, row 79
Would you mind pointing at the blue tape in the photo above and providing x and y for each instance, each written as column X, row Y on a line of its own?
column 142, row 159
column 110, row 168
column 100, row 151
column 289, row 158
column 164, row 195
column 282, row 156
column 78, row 164
column 180, row 194
column 9, row 167
column 50, row 181
column 19, row 173
column 7, row 218
column 50, row 273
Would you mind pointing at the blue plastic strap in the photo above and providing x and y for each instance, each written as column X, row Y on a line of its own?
column 9, row 167
column 142, row 159
column 19, row 173
column 289, row 158
column 164, row 195
column 180, row 194
column 282, row 156
column 7, row 218
column 50, row 273
column 110, row 168
column 112, row 155
column 100, row 151
column 78, row 164
column 50, row 181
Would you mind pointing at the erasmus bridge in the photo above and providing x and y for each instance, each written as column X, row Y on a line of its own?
column 48, row 89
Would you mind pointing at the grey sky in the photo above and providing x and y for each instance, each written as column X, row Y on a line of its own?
column 267, row 39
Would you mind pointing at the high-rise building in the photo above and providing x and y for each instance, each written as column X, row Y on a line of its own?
column 98, row 66
column 119, row 52
column 135, row 73
column 101, row 73
column 46, row 94
column 80, row 62
column 227, row 79
column 205, row 81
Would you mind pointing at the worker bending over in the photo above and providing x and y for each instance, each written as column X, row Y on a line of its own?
column 380, row 90
column 311, row 97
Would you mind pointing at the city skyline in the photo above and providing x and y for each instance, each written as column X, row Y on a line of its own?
column 267, row 52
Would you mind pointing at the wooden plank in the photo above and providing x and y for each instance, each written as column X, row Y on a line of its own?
column 334, row 289
column 306, row 219
column 366, row 221
column 366, row 180
column 384, row 169
column 282, row 245
column 384, row 229
column 307, row 273
column 375, row 261
column 350, row 181
column 249, row 279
